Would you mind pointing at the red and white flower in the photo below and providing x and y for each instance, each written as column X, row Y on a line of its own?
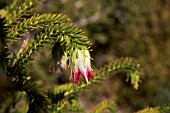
column 80, row 65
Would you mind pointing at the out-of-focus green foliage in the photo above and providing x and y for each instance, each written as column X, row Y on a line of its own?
column 161, row 109
column 103, row 105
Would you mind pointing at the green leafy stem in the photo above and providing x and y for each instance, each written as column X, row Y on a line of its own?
column 35, row 22
column 129, row 65
column 65, row 33
column 21, row 11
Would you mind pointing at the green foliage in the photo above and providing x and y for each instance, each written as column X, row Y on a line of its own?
column 68, row 91
column 67, row 109
column 104, row 105
column 21, row 11
column 160, row 109
column 128, row 65
column 38, row 102
column 35, row 22
column 11, row 7
column 58, row 31
column 138, row 28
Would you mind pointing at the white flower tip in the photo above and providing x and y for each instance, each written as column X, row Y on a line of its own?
column 86, row 79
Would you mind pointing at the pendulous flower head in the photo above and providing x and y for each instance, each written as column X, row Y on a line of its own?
column 80, row 65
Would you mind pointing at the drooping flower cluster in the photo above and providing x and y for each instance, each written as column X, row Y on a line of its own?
column 80, row 65
column 79, row 62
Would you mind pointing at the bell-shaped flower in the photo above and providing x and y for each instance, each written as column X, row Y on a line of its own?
column 88, row 65
column 80, row 65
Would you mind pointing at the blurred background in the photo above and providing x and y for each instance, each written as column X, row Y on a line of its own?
column 117, row 28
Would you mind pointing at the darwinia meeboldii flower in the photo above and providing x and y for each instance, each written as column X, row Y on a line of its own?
column 80, row 65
